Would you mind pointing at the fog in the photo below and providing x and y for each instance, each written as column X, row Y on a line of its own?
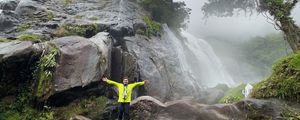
column 238, row 27
column 223, row 33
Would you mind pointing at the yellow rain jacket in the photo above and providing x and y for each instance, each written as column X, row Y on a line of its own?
column 121, row 90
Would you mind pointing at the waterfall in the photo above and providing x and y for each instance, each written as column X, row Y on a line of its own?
column 197, row 61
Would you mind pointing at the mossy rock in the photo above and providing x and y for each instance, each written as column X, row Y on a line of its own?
column 284, row 83
column 233, row 94
column 80, row 30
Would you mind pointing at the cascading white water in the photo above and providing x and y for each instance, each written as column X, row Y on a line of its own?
column 198, row 62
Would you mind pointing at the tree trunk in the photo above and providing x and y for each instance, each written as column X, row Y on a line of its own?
column 292, row 33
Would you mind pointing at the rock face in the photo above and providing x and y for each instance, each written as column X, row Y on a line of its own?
column 148, row 108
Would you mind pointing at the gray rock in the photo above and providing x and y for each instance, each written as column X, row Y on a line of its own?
column 9, row 4
column 81, row 61
column 15, row 49
column 7, row 21
column 26, row 8
column 148, row 108
column 158, row 62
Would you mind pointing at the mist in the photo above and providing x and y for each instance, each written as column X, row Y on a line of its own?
column 224, row 33
column 238, row 27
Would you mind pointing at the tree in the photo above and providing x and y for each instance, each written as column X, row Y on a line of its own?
column 280, row 10
column 175, row 14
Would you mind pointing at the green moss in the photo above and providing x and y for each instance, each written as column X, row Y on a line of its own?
column 233, row 94
column 50, row 15
column 78, row 17
column 46, row 65
column 153, row 28
column 94, row 18
column 23, row 27
column 81, row 30
column 4, row 40
column 30, row 37
column 91, row 107
column 284, row 83
column 66, row 2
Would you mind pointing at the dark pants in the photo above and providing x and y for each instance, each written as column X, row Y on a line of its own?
column 123, row 109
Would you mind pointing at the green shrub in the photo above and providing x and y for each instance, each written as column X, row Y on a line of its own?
column 23, row 27
column 153, row 28
column 233, row 94
column 284, row 83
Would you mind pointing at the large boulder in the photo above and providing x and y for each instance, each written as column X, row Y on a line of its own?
column 148, row 108
column 81, row 61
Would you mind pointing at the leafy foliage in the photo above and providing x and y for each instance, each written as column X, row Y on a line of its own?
column 284, row 83
column 153, row 28
column 46, row 66
column 175, row 14
column 224, row 8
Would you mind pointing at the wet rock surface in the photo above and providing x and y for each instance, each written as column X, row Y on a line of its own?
column 148, row 108
column 117, row 17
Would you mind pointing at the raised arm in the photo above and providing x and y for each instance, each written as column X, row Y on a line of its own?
column 140, row 83
column 110, row 81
